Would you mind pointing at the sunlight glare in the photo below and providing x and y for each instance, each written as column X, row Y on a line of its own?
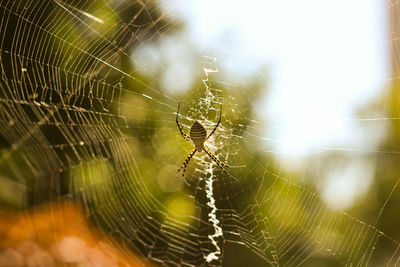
column 323, row 62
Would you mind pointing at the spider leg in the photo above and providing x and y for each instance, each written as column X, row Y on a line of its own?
column 216, row 126
column 186, row 162
column 185, row 136
column 216, row 160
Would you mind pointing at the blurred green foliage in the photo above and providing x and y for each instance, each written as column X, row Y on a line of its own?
column 279, row 201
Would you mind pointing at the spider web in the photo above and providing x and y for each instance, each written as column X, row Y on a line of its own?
column 79, row 121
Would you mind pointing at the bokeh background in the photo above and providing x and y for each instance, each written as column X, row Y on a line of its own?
column 89, row 146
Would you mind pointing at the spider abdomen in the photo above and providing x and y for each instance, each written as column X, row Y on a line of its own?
column 198, row 135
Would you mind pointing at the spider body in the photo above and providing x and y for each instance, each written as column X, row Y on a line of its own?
column 198, row 135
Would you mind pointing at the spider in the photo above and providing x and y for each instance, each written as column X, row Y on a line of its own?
column 198, row 135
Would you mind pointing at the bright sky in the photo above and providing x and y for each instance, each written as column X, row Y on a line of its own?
column 324, row 60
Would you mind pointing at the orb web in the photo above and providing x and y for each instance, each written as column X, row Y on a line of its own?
column 79, row 122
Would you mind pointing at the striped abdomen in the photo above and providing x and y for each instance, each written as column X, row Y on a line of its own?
column 198, row 135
